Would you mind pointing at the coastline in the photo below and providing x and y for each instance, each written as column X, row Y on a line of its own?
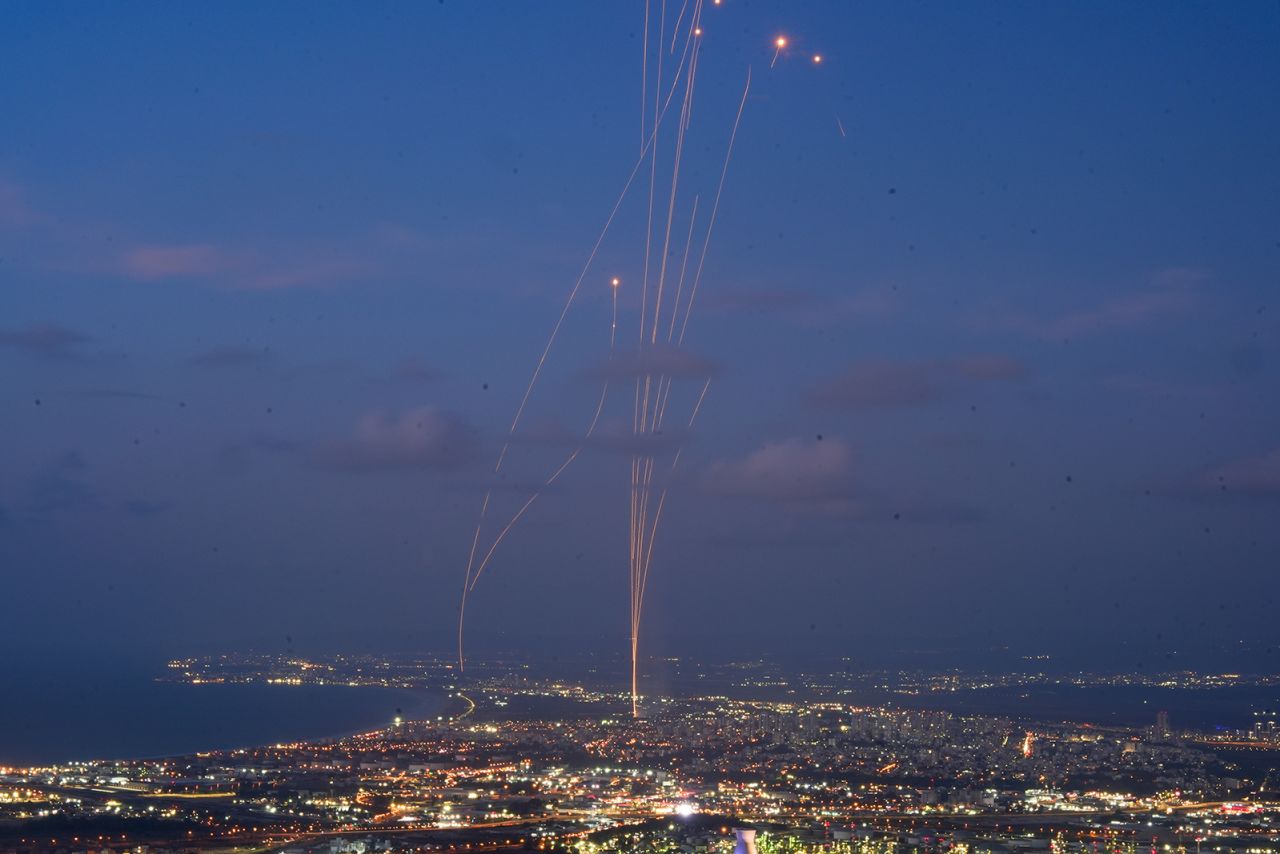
column 159, row 720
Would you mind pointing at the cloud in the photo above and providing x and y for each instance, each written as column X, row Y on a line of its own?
column 810, row 308
column 48, row 341
column 1171, row 293
column 660, row 360
column 398, row 236
column 121, row 394
column 70, row 461
column 1139, row 383
column 245, row 269
column 888, row 385
column 13, row 207
column 881, row 384
column 299, row 273
column 988, row 367
column 142, row 507
column 619, row 441
column 790, row 470
column 51, row 493
column 1121, row 313
column 817, row 478
column 414, row 369
column 422, row 438
column 614, row 437
column 58, row 487
column 231, row 357
column 167, row 262
column 764, row 300
column 236, row 457
column 1250, row 477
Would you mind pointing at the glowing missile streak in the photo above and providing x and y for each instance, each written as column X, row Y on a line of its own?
column 642, row 470
column 653, row 171
column 577, row 285
column 662, row 498
column 664, row 395
column 573, row 293
column 644, row 77
column 637, row 599
column 688, row 241
column 666, row 241
column 675, row 30
column 642, row 535
column 671, row 202
column 779, row 43
column 715, row 208
column 573, row 455
column 613, row 328
column 647, row 419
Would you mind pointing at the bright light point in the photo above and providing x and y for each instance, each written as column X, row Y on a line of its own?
column 817, row 57
column 684, row 810
column 616, row 281
column 697, row 31
column 781, row 42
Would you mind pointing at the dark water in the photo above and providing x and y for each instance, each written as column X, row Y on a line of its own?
column 1201, row 709
column 95, row 713
column 1117, row 705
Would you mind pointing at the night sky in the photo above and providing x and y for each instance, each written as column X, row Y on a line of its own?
column 990, row 312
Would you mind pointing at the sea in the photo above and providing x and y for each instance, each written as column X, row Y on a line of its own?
column 1201, row 709
column 53, row 714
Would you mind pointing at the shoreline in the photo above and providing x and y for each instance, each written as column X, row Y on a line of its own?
column 414, row 703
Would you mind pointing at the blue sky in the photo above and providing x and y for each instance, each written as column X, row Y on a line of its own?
column 273, row 279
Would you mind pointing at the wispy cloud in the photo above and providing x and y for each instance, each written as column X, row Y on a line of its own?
column 14, row 210
column 121, row 394
column 74, row 244
column 809, row 307
column 614, row 437
column 414, row 369
column 422, row 438
column 59, row 487
column 142, row 507
column 48, row 341
column 817, row 478
column 790, row 470
column 236, row 456
column 1256, row 477
column 233, row 268
column 183, row 261
column 901, row 384
column 303, row 273
column 1171, row 292
column 231, row 357
column 660, row 360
